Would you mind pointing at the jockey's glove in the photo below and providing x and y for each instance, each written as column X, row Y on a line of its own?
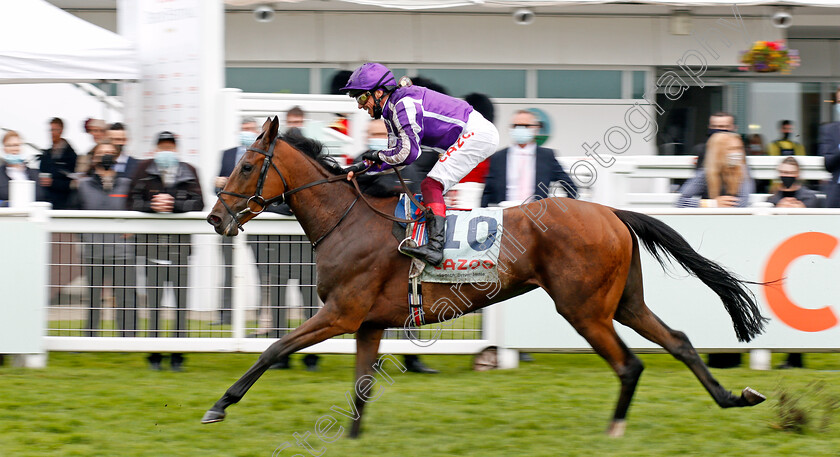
column 356, row 168
column 372, row 155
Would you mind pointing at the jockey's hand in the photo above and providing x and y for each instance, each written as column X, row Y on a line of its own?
column 350, row 175
column 372, row 156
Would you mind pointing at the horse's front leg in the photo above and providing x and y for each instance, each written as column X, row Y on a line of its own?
column 367, row 348
column 327, row 323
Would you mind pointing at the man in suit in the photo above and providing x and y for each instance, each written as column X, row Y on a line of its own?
column 830, row 149
column 524, row 171
column 126, row 164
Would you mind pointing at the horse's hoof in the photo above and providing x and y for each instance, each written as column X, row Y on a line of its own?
column 213, row 416
column 616, row 428
column 752, row 397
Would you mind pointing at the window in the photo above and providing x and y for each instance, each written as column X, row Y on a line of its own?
column 579, row 84
column 268, row 80
column 493, row 83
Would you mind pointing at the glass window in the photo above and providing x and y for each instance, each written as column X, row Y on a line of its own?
column 579, row 84
column 268, row 80
column 493, row 83
column 639, row 84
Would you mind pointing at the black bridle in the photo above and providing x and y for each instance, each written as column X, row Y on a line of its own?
column 263, row 203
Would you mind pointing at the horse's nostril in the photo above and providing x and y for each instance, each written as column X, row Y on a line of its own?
column 214, row 220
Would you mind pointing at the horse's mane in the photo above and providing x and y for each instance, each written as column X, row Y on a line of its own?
column 314, row 149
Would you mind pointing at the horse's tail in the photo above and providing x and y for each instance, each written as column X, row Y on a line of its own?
column 737, row 298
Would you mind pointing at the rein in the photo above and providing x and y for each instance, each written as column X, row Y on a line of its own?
column 263, row 203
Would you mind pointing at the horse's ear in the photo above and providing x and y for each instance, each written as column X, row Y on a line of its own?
column 273, row 128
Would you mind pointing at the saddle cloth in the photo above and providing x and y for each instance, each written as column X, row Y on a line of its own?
column 473, row 240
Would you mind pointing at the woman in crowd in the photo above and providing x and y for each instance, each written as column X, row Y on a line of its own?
column 723, row 181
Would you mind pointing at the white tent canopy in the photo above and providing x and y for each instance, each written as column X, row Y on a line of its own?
column 42, row 43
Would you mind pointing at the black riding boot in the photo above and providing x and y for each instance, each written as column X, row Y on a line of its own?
column 431, row 252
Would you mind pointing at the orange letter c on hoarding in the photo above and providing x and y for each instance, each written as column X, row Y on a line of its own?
column 806, row 320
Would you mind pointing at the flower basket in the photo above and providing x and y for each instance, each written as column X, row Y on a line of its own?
column 769, row 57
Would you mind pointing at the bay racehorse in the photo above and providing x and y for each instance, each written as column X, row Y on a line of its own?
column 586, row 256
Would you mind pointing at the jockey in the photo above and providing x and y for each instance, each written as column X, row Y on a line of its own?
column 416, row 116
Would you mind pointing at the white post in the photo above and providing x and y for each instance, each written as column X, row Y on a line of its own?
column 494, row 331
column 239, row 295
column 21, row 193
column 760, row 359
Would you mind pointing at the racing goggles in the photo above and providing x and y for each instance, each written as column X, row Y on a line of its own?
column 363, row 97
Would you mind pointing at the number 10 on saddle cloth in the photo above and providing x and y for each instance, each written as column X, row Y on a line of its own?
column 471, row 251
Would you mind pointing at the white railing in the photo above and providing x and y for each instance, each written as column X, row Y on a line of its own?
column 68, row 321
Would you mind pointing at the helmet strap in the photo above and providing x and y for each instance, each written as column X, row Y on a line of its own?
column 377, row 107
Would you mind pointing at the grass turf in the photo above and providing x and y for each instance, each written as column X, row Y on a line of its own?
column 113, row 405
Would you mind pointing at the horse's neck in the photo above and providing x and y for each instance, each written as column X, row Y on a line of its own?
column 317, row 208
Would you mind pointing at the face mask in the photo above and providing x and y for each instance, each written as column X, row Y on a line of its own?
column 755, row 147
column 785, row 136
column 247, row 138
column 377, row 144
column 711, row 132
column 13, row 159
column 166, row 159
column 107, row 162
column 521, row 135
column 788, row 181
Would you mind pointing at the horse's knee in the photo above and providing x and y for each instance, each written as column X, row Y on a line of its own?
column 631, row 371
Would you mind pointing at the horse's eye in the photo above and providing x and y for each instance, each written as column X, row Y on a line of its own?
column 246, row 167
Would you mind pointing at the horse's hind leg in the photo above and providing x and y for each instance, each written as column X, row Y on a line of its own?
column 605, row 341
column 324, row 325
column 633, row 313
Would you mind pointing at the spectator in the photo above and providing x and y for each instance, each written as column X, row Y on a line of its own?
column 785, row 146
column 755, row 145
column 718, row 122
column 107, row 256
column 723, row 180
column 830, row 149
column 247, row 135
column 13, row 166
column 58, row 164
column 792, row 194
column 523, row 170
column 295, row 118
column 118, row 135
column 165, row 185
column 96, row 128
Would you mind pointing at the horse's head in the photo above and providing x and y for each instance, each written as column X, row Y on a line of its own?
column 249, row 190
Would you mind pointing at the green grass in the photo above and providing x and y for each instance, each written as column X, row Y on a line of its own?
column 112, row 405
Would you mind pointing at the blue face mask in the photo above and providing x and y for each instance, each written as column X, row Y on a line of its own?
column 377, row 144
column 13, row 159
column 521, row 135
column 166, row 159
column 247, row 138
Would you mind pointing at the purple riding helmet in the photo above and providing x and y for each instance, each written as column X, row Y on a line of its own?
column 368, row 78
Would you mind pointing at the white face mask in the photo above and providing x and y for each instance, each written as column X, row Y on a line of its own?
column 377, row 144
column 166, row 159
column 13, row 159
column 247, row 138
column 521, row 135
